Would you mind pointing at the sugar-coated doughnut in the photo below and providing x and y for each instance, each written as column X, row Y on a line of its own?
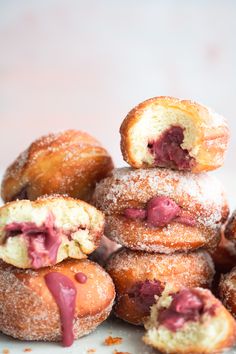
column 227, row 290
column 173, row 133
column 140, row 276
column 191, row 321
column 161, row 210
column 224, row 256
column 69, row 163
column 60, row 303
column 103, row 252
column 35, row 234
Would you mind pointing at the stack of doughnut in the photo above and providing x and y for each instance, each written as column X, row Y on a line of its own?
column 49, row 291
column 167, row 213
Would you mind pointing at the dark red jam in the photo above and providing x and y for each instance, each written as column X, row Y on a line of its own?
column 159, row 212
column 185, row 306
column 81, row 277
column 144, row 293
column 43, row 241
column 64, row 293
column 168, row 152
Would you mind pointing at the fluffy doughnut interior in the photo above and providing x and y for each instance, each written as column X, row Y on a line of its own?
column 153, row 123
column 201, row 335
column 76, row 223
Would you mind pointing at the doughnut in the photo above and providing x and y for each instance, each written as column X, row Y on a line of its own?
column 35, row 234
column 60, row 303
column 140, row 276
column 71, row 163
column 224, row 256
column 227, row 291
column 230, row 228
column 172, row 133
column 104, row 251
column 161, row 210
column 190, row 321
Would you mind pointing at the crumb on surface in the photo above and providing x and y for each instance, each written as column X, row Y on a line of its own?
column 116, row 352
column 27, row 350
column 113, row 340
column 90, row 351
column 5, row 351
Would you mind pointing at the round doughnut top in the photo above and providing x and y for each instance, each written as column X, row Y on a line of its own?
column 201, row 193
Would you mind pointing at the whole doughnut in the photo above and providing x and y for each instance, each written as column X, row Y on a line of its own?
column 161, row 210
column 138, row 276
column 70, row 162
column 169, row 132
column 29, row 308
column 227, row 291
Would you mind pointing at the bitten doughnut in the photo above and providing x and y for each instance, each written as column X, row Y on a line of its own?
column 140, row 276
column 71, row 163
column 227, row 290
column 60, row 303
column 224, row 256
column 190, row 321
column 161, row 210
column 169, row 132
column 35, row 234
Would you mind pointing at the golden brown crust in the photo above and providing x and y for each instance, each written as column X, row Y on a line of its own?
column 213, row 132
column 127, row 267
column 201, row 196
column 227, row 291
column 29, row 312
column 71, row 163
column 230, row 228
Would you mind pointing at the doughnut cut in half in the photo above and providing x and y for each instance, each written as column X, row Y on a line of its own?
column 173, row 133
column 44, row 232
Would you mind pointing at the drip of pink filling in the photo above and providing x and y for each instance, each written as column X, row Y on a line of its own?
column 81, row 277
column 43, row 241
column 186, row 306
column 64, row 293
column 144, row 293
column 168, row 151
column 159, row 212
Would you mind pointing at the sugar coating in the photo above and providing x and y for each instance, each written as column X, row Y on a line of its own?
column 200, row 194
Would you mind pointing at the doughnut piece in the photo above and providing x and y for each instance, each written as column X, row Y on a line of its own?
column 227, row 291
column 46, row 231
column 52, row 304
column 190, row 321
column 140, row 276
column 161, row 210
column 172, row 133
column 71, row 163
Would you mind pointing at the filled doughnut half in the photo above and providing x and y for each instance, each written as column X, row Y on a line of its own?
column 227, row 291
column 162, row 210
column 173, row 133
column 71, row 163
column 140, row 277
column 190, row 321
column 60, row 303
column 35, row 234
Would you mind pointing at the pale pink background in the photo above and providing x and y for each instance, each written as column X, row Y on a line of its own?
column 84, row 64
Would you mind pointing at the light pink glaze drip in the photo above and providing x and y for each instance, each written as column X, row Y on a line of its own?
column 43, row 241
column 159, row 212
column 81, row 277
column 64, row 293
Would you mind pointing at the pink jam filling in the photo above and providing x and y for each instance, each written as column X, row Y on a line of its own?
column 64, row 293
column 144, row 293
column 159, row 212
column 43, row 241
column 186, row 306
column 81, row 277
column 168, row 151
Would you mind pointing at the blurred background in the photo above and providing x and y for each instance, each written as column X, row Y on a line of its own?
column 85, row 64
